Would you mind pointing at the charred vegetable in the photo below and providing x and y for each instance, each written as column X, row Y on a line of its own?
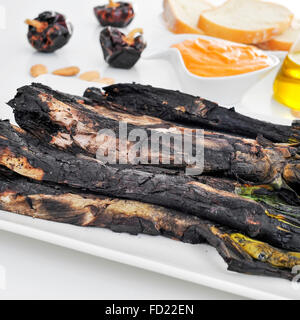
column 116, row 14
column 119, row 50
column 47, row 113
column 241, row 215
column 27, row 156
column 187, row 109
column 265, row 253
column 63, row 204
column 73, row 206
column 49, row 31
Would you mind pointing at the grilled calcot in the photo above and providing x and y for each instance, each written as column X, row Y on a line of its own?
column 73, row 124
column 187, row 109
column 67, row 205
column 23, row 154
column 247, row 207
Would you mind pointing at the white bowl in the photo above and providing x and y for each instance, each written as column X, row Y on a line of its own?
column 224, row 90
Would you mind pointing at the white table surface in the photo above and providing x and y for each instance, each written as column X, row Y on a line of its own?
column 36, row 270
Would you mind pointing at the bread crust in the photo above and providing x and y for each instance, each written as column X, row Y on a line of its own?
column 175, row 24
column 243, row 36
column 275, row 45
column 278, row 43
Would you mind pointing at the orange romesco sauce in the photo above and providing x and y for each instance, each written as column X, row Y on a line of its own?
column 214, row 58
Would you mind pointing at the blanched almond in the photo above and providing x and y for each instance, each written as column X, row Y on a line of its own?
column 107, row 81
column 67, row 72
column 90, row 75
column 38, row 69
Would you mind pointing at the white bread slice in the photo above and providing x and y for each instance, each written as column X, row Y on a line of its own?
column 181, row 16
column 285, row 40
column 246, row 21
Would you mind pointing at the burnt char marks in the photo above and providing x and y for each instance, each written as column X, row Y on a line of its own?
column 176, row 191
column 67, row 205
column 187, row 109
column 79, row 125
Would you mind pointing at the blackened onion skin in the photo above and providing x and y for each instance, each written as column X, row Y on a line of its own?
column 117, row 52
column 54, row 36
column 118, row 16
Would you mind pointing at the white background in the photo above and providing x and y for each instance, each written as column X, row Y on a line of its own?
column 33, row 269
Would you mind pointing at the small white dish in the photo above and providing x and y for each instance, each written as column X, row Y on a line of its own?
column 213, row 88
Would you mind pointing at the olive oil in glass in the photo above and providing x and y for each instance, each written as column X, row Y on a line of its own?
column 287, row 83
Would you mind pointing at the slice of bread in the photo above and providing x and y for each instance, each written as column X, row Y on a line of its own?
column 246, row 21
column 285, row 40
column 181, row 16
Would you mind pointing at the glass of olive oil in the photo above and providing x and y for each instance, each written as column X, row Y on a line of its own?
column 287, row 83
